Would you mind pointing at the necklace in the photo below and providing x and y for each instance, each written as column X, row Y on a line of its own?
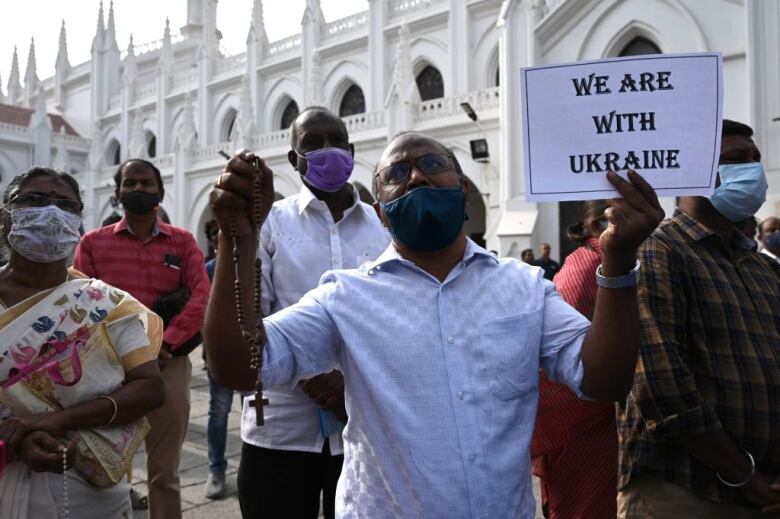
column 254, row 338
column 65, row 511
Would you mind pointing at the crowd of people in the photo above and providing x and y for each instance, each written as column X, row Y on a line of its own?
column 401, row 370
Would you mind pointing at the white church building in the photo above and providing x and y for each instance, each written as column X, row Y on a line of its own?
column 399, row 65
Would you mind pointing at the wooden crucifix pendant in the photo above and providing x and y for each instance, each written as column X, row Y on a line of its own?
column 258, row 404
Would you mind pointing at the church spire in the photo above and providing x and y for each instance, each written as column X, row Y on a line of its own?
column 31, row 80
column 62, row 52
column 257, row 26
column 166, row 52
column 111, row 29
column 100, row 31
column 14, row 86
column 131, row 68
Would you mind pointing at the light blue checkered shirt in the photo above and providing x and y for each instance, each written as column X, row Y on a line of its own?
column 441, row 379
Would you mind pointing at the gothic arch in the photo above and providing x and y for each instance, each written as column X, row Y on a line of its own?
column 486, row 52
column 225, row 115
column 281, row 92
column 339, row 79
column 669, row 25
column 430, row 51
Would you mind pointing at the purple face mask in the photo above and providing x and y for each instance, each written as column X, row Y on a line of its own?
column 328, row 169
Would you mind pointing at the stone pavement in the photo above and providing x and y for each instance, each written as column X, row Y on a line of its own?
column 194, row 467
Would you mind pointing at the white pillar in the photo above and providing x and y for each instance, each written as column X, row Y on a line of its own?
column 377, row 44
column 457, row 83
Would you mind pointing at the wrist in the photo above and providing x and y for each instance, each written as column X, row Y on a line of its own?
column 743, row 475
column 613, row 265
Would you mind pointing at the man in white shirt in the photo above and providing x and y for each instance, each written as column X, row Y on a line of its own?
column 297, row 454
column 769, row 236
column 439, row 341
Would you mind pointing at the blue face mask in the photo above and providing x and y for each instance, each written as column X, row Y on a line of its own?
column 427, row 218
column 742, row 190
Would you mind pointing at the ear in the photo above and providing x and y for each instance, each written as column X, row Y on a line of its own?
column 162, row 194
column 293, row 158
column 378, row 210
column 118, row 198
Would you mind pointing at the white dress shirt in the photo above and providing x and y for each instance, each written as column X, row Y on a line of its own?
column 441, row 379
column 299, row 242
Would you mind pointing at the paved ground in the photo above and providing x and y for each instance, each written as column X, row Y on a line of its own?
column 194, row 466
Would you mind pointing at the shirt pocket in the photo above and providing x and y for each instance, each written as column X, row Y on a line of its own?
column 511, row 347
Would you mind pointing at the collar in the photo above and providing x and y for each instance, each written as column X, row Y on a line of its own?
column 698, row 231
column 307, row 198
column 390, row 255
column 160, row 227
column 770, row 254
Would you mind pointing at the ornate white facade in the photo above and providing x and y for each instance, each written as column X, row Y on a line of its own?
column 182, row 99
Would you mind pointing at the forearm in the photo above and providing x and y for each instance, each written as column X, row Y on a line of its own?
column 134, row 400
column 227, row 351
column 719, row 452
column 610, row 349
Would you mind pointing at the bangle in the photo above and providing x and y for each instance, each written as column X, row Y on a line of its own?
column 113, row 416
column 747, row 479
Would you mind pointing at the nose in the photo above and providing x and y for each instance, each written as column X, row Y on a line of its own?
column 417, row 178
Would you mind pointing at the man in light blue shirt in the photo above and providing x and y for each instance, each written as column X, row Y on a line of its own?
column 439, row 342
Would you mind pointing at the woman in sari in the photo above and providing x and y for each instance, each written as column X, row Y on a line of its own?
column 78, row 368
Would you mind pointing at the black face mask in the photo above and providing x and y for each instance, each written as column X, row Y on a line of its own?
column 140, row 202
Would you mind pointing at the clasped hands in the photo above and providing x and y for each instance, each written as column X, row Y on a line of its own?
column 30, row 440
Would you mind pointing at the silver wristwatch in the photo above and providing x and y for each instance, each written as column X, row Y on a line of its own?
column 631, row 279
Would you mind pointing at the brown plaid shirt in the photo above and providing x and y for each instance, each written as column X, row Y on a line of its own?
column 710, row 356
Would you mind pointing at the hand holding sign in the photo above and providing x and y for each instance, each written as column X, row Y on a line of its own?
column 631, row 220
column 658, row 114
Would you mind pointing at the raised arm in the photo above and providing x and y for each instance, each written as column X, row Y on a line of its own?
column 609, row 351
column 231, row 198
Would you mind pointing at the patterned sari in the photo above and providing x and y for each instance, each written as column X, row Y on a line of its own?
column 60, row 348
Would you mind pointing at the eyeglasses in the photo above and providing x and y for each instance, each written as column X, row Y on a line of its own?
column 42, row 200
column 430, row 164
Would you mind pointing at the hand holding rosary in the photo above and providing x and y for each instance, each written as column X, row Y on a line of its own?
column 255, row 337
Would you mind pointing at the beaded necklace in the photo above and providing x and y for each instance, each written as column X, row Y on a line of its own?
column 255, row 338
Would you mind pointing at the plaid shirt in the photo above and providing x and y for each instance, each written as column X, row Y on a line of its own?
column 709, row 358
column 116, row 256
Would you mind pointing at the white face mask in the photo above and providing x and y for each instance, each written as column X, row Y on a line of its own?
column 44, row 234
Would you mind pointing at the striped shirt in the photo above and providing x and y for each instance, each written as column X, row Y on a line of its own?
column 709, row 356
column 148, row 270
column 574, row 446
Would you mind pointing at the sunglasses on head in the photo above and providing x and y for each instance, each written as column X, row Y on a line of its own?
column 430, row 164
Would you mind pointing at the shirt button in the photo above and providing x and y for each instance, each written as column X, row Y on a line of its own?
column 461, row 395
column 450, row 339
column 333, row 231
column 472, row 458
column 336, row 260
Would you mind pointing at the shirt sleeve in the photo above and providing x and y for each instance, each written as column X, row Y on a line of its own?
column 665, row 391
column 83, row 259
column 302, row 340
column 563, row 331
column 190, row 320
column 131, row 342
column 265, row 251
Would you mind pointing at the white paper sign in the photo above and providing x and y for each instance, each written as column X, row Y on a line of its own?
column 658, row 114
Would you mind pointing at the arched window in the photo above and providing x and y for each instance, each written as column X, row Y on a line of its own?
column 114, row 153
column 289, row 115
column 640, row 46
column 429, row 83
column 151, row 145
column 353, row 102
column 228, row 126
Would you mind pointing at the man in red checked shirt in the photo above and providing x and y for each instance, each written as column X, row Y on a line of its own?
column 150, row 259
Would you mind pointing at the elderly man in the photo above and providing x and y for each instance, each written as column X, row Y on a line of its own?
column 439, row 341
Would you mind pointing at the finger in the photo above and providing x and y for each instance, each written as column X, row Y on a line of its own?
column 771, row 510
column 616, row 215
column 48, row 442
column 165, row 355
column 645, row 188
column 225, row 200
column 236, row 182
column 629, row 193
column 240, row 165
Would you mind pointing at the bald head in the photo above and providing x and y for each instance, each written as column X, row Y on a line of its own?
column 408, row 147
